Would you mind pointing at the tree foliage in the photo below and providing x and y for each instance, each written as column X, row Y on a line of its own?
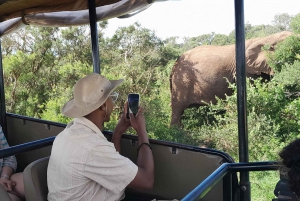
column 282, row 22
column 207, row 39
column 287, row 52
column 295, row 24
column 38, row 62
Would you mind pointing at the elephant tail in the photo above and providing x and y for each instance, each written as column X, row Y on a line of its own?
column 171, row 76
column 171, row 81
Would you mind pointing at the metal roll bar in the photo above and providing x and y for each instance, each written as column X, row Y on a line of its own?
column 202, row 189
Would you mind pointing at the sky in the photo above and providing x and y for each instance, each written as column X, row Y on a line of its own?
column 190, row 18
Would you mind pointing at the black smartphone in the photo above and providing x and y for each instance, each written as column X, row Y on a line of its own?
column 133, row 104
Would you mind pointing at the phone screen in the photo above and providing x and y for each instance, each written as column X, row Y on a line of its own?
column 133, row 104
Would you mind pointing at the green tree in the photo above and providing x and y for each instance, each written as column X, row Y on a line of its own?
column 29, row 71
column 41, row 63
column 221, row 39
column 295, row 24
column 260, row 30
column 170, row 51
column 206, row 39
column 134, row 52
column 75, row 45
column 282, row 22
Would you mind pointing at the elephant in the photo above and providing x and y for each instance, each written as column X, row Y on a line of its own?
column 200, row 74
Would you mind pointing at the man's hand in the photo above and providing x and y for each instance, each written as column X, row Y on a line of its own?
column 138, row 122
column 123, row 123
column 7, row 184
column 121, row 128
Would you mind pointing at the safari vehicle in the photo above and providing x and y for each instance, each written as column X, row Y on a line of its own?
column 181, row 172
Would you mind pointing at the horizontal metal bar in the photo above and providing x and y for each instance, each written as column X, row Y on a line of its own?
column 253, row 166
column 17, row 116
column 202, row 189
column 29, row 146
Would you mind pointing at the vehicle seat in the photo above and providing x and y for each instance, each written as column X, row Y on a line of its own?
column 283, row 188
column 3, row 194
column 35, row 180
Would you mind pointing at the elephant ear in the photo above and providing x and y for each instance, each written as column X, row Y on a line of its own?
column 256, row 61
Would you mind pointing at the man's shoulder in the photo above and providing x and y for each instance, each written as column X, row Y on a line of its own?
column 83, row 136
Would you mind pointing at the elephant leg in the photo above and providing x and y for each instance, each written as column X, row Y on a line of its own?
column 177, row 111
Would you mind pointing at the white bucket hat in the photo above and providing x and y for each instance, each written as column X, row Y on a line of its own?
column 90, row 92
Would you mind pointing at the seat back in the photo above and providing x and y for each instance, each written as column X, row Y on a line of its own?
column 35, row 180
column 283, row 188
column 3, row 194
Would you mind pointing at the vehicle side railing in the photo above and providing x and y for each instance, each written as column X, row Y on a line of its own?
column 29, row 146
column 204, row 187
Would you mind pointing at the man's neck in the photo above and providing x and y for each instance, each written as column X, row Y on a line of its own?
column 97, row 118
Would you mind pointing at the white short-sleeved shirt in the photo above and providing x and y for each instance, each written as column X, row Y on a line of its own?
column 84, row 166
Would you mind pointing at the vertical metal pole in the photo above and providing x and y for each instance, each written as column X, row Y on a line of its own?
column 2, row 97
column 94, row 35
column 228, row 187
column 242, row 97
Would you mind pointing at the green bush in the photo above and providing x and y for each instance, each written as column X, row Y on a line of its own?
column 287, row 52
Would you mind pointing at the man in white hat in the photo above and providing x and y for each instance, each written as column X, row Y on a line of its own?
column 85, row 166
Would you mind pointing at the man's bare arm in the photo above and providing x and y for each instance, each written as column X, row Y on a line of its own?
column 144, row 178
